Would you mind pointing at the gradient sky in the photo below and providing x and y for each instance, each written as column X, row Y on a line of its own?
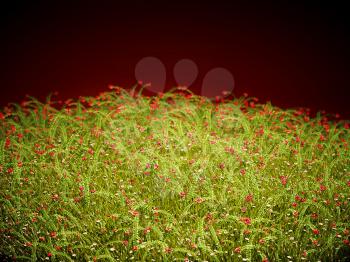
column 290, row 54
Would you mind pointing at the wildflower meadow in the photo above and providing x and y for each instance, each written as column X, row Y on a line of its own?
column 173, row 177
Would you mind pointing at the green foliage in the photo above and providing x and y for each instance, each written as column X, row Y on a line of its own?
column 116, row 178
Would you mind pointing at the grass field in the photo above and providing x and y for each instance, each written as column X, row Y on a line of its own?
column 175, row 177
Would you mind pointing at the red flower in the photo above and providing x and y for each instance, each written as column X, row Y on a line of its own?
column 135, row 213
column 260, row 132
column 246, row 220
column 7, row 143
column 41, row 238
column 314, row 216
column 154, row 105
column 283, row 180
column 2, row 117
column 147, row 230
column 237, row 250
column 199, row 200
column 135, row 248
column 182, row 194
column 247, row 232
column 243, row 172
column 316, row 231
column 346, row 241
column 249, row 198
column 323, row 188
column 49, row 254
column 168, row 250
column 53, row 234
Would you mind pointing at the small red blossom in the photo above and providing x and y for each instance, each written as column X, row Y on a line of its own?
column 322, row 138
column 10, row 170
column 237, row 250
column 49, row 254
column 7, row 143
column 53, row 234
column 135, row 248
column 42, row 239
column 2, row 117
column 147, row 230
column 209, row 217
column 346, row 241
column 199, row 200
column 247, row 232
column 249, row 198
column 283, row 180
column 314, row 216
column 316, row 231
column 182, row 194
column 323, row 188
column 243, row 172
column 135, row 213
column 246, row 220
column 260, row 132
column 168, row 250
column 154, row 105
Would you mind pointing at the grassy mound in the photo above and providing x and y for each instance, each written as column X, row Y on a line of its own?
column 174, row 177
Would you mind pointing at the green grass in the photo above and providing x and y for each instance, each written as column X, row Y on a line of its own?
column 172, row 178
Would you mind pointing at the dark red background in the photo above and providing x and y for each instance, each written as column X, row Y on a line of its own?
column 291, row 54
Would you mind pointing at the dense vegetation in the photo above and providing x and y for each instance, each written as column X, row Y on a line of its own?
column 123, row 177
